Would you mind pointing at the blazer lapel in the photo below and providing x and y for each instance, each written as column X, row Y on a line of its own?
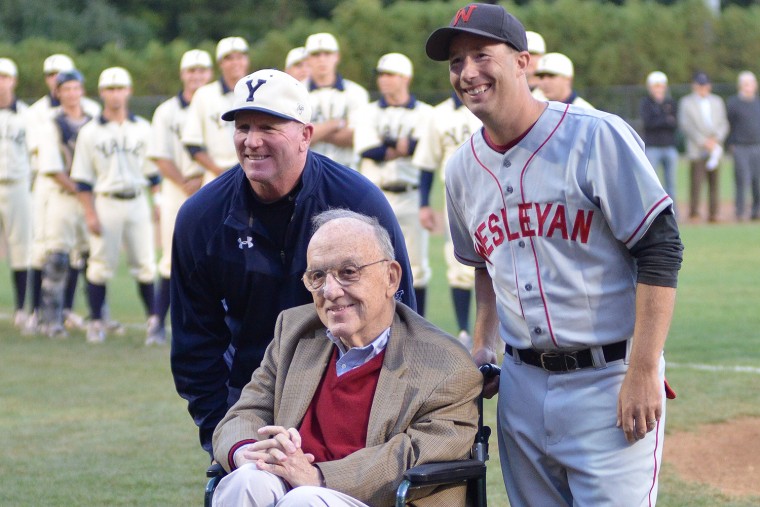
column 391, row 386
column 304, row 375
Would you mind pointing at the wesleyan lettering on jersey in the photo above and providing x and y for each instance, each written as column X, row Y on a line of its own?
column 548, row 220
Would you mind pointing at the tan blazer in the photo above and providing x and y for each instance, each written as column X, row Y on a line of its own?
column 424, row 407
column 693, row 126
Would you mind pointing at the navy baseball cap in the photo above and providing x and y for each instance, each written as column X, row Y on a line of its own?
column 701, row 78
column 485, row 20
column 68, row 75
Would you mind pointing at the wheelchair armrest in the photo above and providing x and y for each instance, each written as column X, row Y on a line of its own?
column 433, row 474
column 215, row 470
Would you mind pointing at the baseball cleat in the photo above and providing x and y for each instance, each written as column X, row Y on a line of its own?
column 19, row 319
column 73, row 321
column 156, row 333
column 32, row 325
column 96, row 332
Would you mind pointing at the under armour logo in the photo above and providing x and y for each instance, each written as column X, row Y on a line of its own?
column 248, row 242
column 463, row 14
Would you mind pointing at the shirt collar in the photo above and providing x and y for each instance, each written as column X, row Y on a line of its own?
column 182, row 100
column 225, row 89
column 409, row 105
column 368, row 351
column 338, row 84
column 13, row 106
column 130, row 116
column 457, row 102
column 54, row 102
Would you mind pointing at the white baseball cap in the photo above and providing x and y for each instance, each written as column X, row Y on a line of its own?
column 230, row 45
column 57, row 63
column 295, row 55
column 321, row 42
column 555, row 64
column 195, row 58
column 395, row 63
column 272, row 92
column 115, row 77
column 657, row 77
column 8, row 68
column 536, row 43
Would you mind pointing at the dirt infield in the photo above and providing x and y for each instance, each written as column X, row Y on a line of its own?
column 725, row 456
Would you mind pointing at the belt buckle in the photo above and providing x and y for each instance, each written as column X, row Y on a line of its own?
column 559, row 361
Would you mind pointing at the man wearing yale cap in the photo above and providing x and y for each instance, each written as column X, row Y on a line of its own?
column 205, row 135
column 66, row 242
column 297, row 63
column 334, row 100
column 576, row 255
column 385, row 137
column 112, row 171
column 240, row 243
column 39, row 123
column 181, row 175
column 15, row 175
column 659, row 117
column 555, row 73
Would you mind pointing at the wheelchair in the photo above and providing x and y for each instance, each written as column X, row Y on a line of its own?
column 472, row 470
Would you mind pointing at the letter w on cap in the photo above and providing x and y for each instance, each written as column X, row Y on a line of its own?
column 464, row 14
column 252, row 89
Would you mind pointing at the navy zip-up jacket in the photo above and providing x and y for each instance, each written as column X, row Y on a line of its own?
column 230, row 281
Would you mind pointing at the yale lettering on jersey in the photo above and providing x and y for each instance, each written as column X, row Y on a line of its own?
column 548, row 220
column 113, row 146
column 14, row 135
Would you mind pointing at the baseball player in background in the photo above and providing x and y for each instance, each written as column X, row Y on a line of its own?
column 556, row 74
column 385, row 137
column 576, row 252
column 207, row 138
column 15, row 176
column 297, row 63
column 181, row 174
column 66, row 239
column 39, row 119
column 111, row 171
column 334, row 100
column 449, row 124
column 537, row 49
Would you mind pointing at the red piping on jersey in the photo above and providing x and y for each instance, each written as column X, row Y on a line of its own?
column 506, row 213
column 645, row 219
column 532, row 245
column 654, row 455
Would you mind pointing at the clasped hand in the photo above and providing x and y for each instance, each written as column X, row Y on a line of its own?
column 279, row 452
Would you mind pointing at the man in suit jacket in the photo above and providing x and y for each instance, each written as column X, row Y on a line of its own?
column 352, row 391
column 702, row 118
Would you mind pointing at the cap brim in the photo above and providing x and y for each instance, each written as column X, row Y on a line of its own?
column 230, row 115
column 437, row 45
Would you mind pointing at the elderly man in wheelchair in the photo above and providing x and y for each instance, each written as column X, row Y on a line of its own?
column 352, row 392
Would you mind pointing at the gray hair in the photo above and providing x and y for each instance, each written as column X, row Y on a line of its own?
column 381, row 233
column 745, row 74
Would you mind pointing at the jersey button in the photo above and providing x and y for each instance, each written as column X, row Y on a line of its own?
column 521, row 244
column 507, row 163
column 510, row 189
column 528, row 286
column 537, row 330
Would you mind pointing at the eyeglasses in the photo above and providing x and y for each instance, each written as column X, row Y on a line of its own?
column 345, row 275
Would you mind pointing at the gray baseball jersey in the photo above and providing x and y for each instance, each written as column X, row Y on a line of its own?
column 551, row 220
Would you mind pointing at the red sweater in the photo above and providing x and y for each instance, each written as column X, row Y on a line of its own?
column 335, row 424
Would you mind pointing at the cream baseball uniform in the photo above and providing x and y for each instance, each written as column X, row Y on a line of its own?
column 399, row 179
column 205, row 128
column 339, row 101
column 449, row 124
column 166, row 143
column 39, row 118
column 15, row 174
column 111, row 159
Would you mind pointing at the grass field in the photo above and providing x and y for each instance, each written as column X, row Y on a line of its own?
column 102, row 425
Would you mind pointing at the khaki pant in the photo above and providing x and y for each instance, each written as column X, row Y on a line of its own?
column 16, row 222
column 699, row 173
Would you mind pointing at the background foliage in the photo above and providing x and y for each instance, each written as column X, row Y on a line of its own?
column 610, row 42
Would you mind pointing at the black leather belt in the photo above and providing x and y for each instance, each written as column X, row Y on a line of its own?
column 568, row 361
column 399, row 189
column 120, row 195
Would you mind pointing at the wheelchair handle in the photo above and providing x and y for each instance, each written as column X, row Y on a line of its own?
column 489, row 370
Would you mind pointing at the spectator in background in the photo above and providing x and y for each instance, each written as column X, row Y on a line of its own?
column 702, row 118
column 537, row 49
column 297, row 63
column 658, row 113
column 557, row 73
column 744, row 119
